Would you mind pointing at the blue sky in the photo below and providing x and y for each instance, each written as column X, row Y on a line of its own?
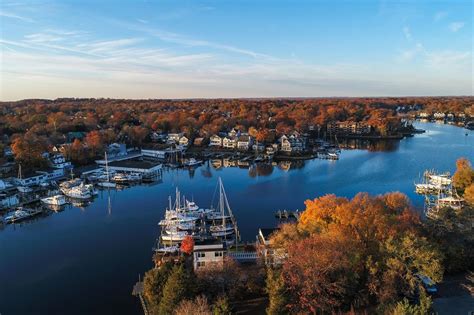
column 184, row 49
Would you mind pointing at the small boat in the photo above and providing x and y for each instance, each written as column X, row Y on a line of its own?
column 127, row 178
column 21, row 214
column 57, row 200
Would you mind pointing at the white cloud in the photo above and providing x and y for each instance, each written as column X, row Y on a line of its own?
column 15, row 16
column 407, row 33
column 410, row 54
column 440, row 15
column 447, row 58
column 456, row 26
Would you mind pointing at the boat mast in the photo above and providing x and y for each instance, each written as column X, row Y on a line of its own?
column 107, row 167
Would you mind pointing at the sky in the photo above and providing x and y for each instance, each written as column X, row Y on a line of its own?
column 213, row 49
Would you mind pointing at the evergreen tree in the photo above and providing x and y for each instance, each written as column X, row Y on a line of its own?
column 178, row 287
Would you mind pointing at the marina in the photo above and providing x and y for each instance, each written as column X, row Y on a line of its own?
column 104, row 245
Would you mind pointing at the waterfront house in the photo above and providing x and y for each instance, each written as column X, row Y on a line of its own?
column 348, row 128
column 424, row 115
column 183, row 141
column 244, row 142
column 229, row 142
column 58, row 161
column 174, row 137
column 234, row 133
column 158, row 136
column 291, row 144
column 270, row 150
column 39, row 177
column 439, row 116
column 208, row 253
column 215, row 141
column 269, row 255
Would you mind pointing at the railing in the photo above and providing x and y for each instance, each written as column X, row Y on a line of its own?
column 243, row 255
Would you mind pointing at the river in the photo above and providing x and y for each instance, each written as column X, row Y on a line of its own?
column 85, row 261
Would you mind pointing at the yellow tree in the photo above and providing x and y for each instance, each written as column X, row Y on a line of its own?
column 464, row 175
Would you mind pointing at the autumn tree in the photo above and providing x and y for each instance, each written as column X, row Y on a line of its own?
column 469, row 195
column 28, row 150
column 187, row 245
column 464, row 175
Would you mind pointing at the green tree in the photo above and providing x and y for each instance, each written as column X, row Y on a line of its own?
column 153, row 284
column 178, row 287
column 221, row 306
column 276, row 291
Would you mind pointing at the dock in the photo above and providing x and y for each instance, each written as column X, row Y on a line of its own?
column 138, row 291
column 285, row 214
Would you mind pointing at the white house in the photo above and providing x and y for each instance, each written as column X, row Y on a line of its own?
column 439, row 115
column 291, row 144
column 270, row 256
column 183, row 141
column 215, row 141
column 40, row 177
column 208, row 253
column 59, row 161
column 174, row 137
column 234, row 132
column 229, row 142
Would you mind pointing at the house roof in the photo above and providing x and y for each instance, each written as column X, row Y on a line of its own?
column 266, row 232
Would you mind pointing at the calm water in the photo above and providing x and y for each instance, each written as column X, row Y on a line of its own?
column 86, row 260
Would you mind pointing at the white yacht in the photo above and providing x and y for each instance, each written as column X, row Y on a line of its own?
column 79, row 192
column 127, row 178
column 56, row 200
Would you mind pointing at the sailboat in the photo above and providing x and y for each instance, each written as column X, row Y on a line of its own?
column 22, row 189
column 224, row 225
column 107, row 183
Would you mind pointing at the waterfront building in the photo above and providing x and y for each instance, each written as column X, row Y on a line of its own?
column 244, row 142
column 229, row 142
column 174, row 137
column 208, row 253
column 439, row 115
column 291, row 144
column 269, row 255
column 235, row 132
column 348, row 127
column 59, row 161
column 183, row 141
column 215, row 141
column 39, row 177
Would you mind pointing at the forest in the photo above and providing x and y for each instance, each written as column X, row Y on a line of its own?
column 31, row 127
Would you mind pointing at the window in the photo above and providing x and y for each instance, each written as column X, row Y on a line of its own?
column 218, row 254
column 201, row 264
column 200, row 255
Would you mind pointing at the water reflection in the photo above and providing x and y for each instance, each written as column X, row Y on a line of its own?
column 370, row 145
